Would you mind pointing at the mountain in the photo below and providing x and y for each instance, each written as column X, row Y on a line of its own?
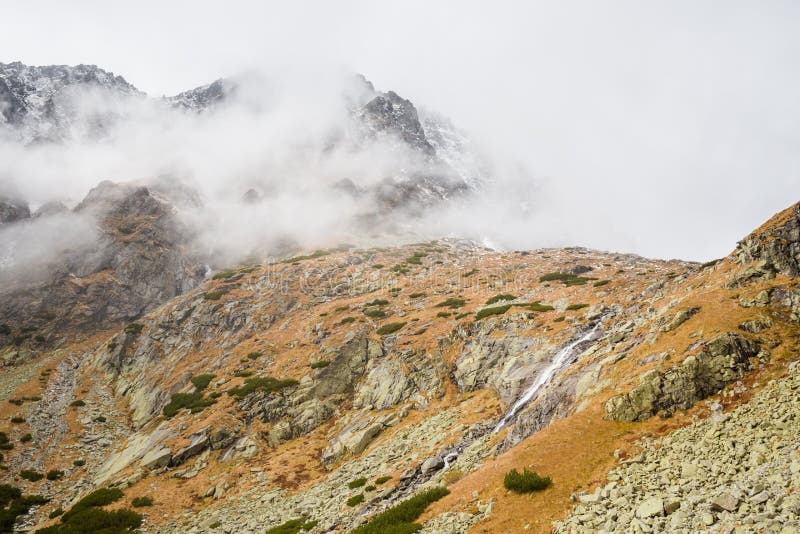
column 38, row 104
column 59, row 103
column 362, row 389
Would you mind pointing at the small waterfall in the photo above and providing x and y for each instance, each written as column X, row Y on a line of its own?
column 558, row 360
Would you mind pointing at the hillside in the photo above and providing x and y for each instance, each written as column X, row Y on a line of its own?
column 261, row 395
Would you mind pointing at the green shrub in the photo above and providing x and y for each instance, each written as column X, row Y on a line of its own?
column 192, row 401
column 525, row 482
column 383, row 479
column 100, row 419
column 17, row 402
column 87, row 516
column 355, row 500
column 500, row 297
column 224, row 275
column 55, row 474
column 319, row 364
column 378, row 266
column 416, row 295
column 13, row 505
column 5, row 330
column 201, row 382
column 469, row 273
column 216, row 295
column 79, row 463
column 26, row 438
column 567, row 279
column 559, row 319
column 369, row 488
column 375, row 314
column 55, row 513
column 576, row 306
column 357, row 483
column 443, row 314
column 390, row 328
column 710, row 263
column 134, row 328
column 17, row 419
column 78, row 403
column 259, row 383
column 341, row 308
column 293, row 526
column 488, row 312
column 139, row 502
column 346, row 320
column 254, row 355
column 452, row 303
column 30, row 475
column 217, row 524
column 538, row 307
column 462, row 315
column 377, row 302
column 399, row 519
column 313, row 255
column 601, row 283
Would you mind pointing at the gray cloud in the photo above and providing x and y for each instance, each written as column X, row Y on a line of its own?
column 668, row 129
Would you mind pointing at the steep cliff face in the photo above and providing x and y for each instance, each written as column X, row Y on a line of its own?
column 269, row 391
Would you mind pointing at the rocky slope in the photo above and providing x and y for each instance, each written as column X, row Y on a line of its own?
column 267, row 392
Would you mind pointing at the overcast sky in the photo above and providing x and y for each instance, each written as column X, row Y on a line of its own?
column 666, row 128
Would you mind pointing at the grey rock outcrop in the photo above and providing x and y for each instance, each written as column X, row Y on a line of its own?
column 721, row 361
column 777, row 247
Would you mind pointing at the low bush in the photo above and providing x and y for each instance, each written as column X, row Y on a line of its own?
column 26, row 438
column 216, row 295
column 254, row 355
column 369, row 488
column 261, row 383
column 443, row 314
column 78, row 403
column 55, row 513
column 55, row 474
column 469, row 273
column 577, row 306
column 378, row 266
column 383, row 479
column 601, row 283
column 13, row 505
column 416, row 295
column 538, row 307
column 341, row 308
column 313, row 255
column 17, row 419
column 100, row 419
column 500, row 297
column 399, row 519
column 31, row 475
column 224, row 275
column 201, row 382
column 559, row 319
column 293, row 526
column 488, row 312
column 195, row 402
column 375, row 314
column 242, row 373
column 139, row 502
column 525, row 482
column 319, row 364
column 355, row 500
column 87, row 516
column 347, row 320
column 568, row 279
column 390, row 328
column 377, row 302
column 79, row 463
column 134, row 328
column 357, row 483
column 452, row 303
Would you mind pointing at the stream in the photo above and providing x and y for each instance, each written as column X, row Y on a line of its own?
column 544, row 378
